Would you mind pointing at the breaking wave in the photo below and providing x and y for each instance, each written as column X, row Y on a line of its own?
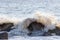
column 21, row 24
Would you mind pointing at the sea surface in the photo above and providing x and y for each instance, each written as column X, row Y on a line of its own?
column 21, row 9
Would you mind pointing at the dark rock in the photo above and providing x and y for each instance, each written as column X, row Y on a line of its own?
column 4, row 35
column 35, row 26
column 6, row 26
column 55, row 31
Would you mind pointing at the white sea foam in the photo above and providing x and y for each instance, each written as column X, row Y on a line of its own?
column 18, row 7
column 7, row 19
column 49, row 20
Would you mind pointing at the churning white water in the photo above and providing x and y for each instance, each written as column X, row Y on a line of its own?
column 17, row 10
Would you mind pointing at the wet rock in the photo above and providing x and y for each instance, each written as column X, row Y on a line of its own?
column 34, row 26
column 53, row 32
column 3, row 35
column 56, row 30
column 6, row 26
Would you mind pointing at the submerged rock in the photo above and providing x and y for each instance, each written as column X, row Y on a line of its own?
column 6, row 26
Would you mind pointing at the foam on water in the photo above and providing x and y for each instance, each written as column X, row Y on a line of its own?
column 19, row 22
column 26, row 7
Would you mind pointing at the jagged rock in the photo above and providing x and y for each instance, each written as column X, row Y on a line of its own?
column 6, row 26
column 34, row 26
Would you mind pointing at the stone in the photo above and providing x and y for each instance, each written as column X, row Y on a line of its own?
column 53, row 32
column 35, row 26
column 6, row 26
column 4, row 35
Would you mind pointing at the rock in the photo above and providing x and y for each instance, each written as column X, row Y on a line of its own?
column 4, row 35
column 6, row 26
column 34, row 26
column 53, row 32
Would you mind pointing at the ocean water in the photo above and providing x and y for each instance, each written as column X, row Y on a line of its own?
column 21, row 9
